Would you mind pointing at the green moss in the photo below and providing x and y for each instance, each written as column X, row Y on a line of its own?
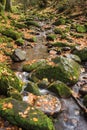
column 33, row 88
column 11, row 33
column 32, row 23
column 58, row 30
column 81, row 53
column 20, row 42
column 8, row 80
column 33, row 66
column 51, row 37
column 63, row 69
column 23, row 115
column 60, row 21
column 33, row 39
column 62, row 44
column 77, row 35
column 81, row 29
column 60, row 89
column 20, row 25
column 14, row 93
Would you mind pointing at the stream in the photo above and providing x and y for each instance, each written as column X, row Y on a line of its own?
column 71, row 117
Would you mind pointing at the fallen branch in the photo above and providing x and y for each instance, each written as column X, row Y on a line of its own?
column 76, row 98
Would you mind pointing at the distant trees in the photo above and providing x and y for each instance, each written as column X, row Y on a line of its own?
column 7, row 4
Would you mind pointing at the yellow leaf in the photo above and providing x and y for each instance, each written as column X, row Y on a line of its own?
column 35, row 119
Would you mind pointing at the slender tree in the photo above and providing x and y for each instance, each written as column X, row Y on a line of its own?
column 8, row 5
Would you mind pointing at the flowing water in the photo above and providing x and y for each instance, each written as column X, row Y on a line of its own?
column 71, row 117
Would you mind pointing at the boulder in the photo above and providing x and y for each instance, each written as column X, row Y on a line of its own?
column 30, row 67
column 33, row 88
column 81, row 29
column 18, row 55
column 82, row 53
column 74, row 57
column 59, row 68
column 60, row 89
column 8, row 81
column 25, row 116
column 49, row 104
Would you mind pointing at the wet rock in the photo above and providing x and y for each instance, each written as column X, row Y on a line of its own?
column 43, row 83
column 23, row 115
column 49, row 104
column 52, row 52
column 33, row 88
column 30, row 67
column 60, row 89
column 51, row 37
column 66, row 48
column 74, row 57
column 20, row 42
column 32, row 23
column 59, row 68
column 18, row 55
column 11, row 33
column 85, row 100
column 8, row 81
column 83, row 90
column 82, row 53
column 60, row 21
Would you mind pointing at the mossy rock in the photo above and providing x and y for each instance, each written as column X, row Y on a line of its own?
column 19, row 113
column 74, row 57
column 33, row 39
column 81, row 29
column 60, row 21
column 33, row 66
column 85, row 100
column 81, row 53
column 62, row 44
column 60, row 89
column 59, row 68
column 14, row 93
column 51, row 37
column 8, row 80
column 33, row 88
column 32, row 23
column 20, row 42
column 77, row 35
column 20, row 25
column 58, row 31
column 11, row 33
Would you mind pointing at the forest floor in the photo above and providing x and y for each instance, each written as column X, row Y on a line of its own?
column 7, row 45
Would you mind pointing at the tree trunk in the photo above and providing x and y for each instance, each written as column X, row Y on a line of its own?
column 8, row 6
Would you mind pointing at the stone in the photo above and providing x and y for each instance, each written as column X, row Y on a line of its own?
column 82, row 53
column 30, row 67
column 20, row 42
column 85, row 100
column 81, row 29
column 59, row 68
column 18, row 55
column 51, row 37
column 8, row 81
column 32, row 87
column 60, row 89
column 43, row 83
column 83, row 90
column 74, row 57
column 49, row 104
column 11, row 33
column 21, row 114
